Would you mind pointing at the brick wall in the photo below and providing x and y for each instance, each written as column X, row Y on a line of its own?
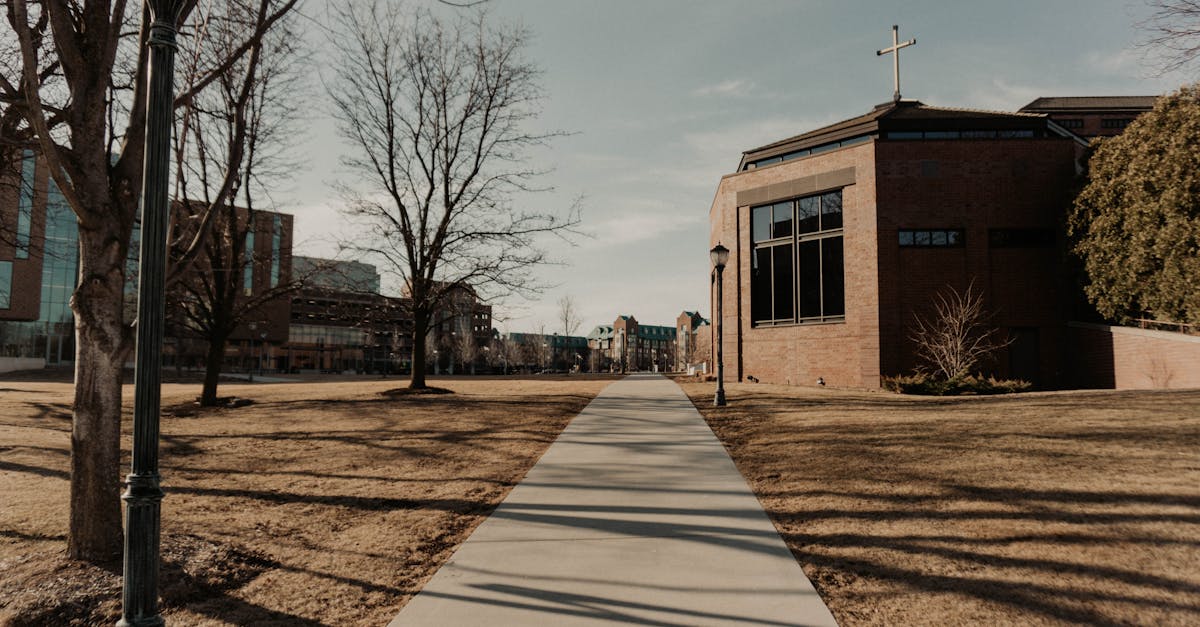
column 843, row 353
column 1128, row 358
column 975, row 186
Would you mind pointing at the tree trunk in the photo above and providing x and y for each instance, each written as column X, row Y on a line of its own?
column 420, row 328
column 212, row 370
column 95, row 532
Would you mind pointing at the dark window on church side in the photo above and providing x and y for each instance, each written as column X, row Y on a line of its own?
column 1071, row 123
column 1115, row 122
column 797, row 262
column 931, row 238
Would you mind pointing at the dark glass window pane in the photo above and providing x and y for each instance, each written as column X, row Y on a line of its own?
column 831, row 210
column 5, row 284
column 954, row 238
column 906, row 238
column 921, row 238
column 941, row 134
column 979, row 134
column 806, row 215
column 937, row 238
column 832, row 279
column 784, row 282
column 782, row 220
column 905, row 135
column 810, row 279
column 760, row 284
column 760, row 223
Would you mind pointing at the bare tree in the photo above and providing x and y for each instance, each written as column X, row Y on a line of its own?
column 77, row 96
column 957, row 337
column 436, row 117
column 1172, row 33
column 237, row 131
column 467, row 350
column 511, row 353
column 568, row 315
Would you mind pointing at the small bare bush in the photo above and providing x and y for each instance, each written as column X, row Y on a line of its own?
column 957, row 337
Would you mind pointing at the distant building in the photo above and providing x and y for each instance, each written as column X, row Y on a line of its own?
column 39, row 267
column 337, row 274
column 1092, row 116
column 626, row 346
column 548, row 351
column 692, row 339
column 337, row 321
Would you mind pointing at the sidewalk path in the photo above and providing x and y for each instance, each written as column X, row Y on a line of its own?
column 635, row 516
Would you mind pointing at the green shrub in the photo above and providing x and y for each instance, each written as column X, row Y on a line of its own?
column 925, row 385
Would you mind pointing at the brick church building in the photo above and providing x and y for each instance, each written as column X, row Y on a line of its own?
column 840, row 236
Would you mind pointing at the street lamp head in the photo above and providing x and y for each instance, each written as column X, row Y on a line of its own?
column 720, row 256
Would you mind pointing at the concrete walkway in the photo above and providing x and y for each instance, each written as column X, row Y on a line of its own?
column 635, row 516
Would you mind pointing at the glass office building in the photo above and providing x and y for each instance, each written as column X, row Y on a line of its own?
column 52, row 335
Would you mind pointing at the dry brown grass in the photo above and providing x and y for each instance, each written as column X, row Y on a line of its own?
column 321, row 503
column 1048, row 508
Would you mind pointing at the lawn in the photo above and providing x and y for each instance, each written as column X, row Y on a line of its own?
column 320, row 503
column 1043, row 508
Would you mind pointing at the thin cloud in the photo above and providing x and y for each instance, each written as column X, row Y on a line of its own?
column 733, row 87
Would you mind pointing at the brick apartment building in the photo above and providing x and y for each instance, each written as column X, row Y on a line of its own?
column 841, row 235
column 692, row 340
column 627, row 345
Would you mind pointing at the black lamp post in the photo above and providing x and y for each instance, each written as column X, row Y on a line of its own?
column 720, row 256
column 143, row 494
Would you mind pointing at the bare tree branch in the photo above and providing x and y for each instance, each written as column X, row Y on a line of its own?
column 1172, row 33
column 956, row 338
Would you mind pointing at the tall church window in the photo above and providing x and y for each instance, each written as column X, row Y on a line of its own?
column 796, row 264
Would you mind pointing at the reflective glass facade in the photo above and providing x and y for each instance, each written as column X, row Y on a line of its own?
column 248, row 270
column 25, row 205
column 52, row 335
column 5, row 284
column 276, row 253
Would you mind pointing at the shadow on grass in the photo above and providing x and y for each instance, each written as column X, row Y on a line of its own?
column 910, row 494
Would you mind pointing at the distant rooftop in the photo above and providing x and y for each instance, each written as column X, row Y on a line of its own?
column 336, row 274
column 1051, row 104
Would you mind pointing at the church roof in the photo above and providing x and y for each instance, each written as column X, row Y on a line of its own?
column 905, row 115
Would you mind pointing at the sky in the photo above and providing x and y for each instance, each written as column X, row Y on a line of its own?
column 661, row 97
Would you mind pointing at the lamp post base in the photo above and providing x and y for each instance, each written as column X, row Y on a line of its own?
column 719, row 399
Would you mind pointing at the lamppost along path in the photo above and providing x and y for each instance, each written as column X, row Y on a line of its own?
column 720, row 256
column 143, row 494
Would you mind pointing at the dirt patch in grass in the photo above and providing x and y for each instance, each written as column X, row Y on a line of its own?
column 1044, row 508
column 415, row 391
column 320, row 503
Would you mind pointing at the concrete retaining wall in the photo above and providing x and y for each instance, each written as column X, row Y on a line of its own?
column 1128, row 358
